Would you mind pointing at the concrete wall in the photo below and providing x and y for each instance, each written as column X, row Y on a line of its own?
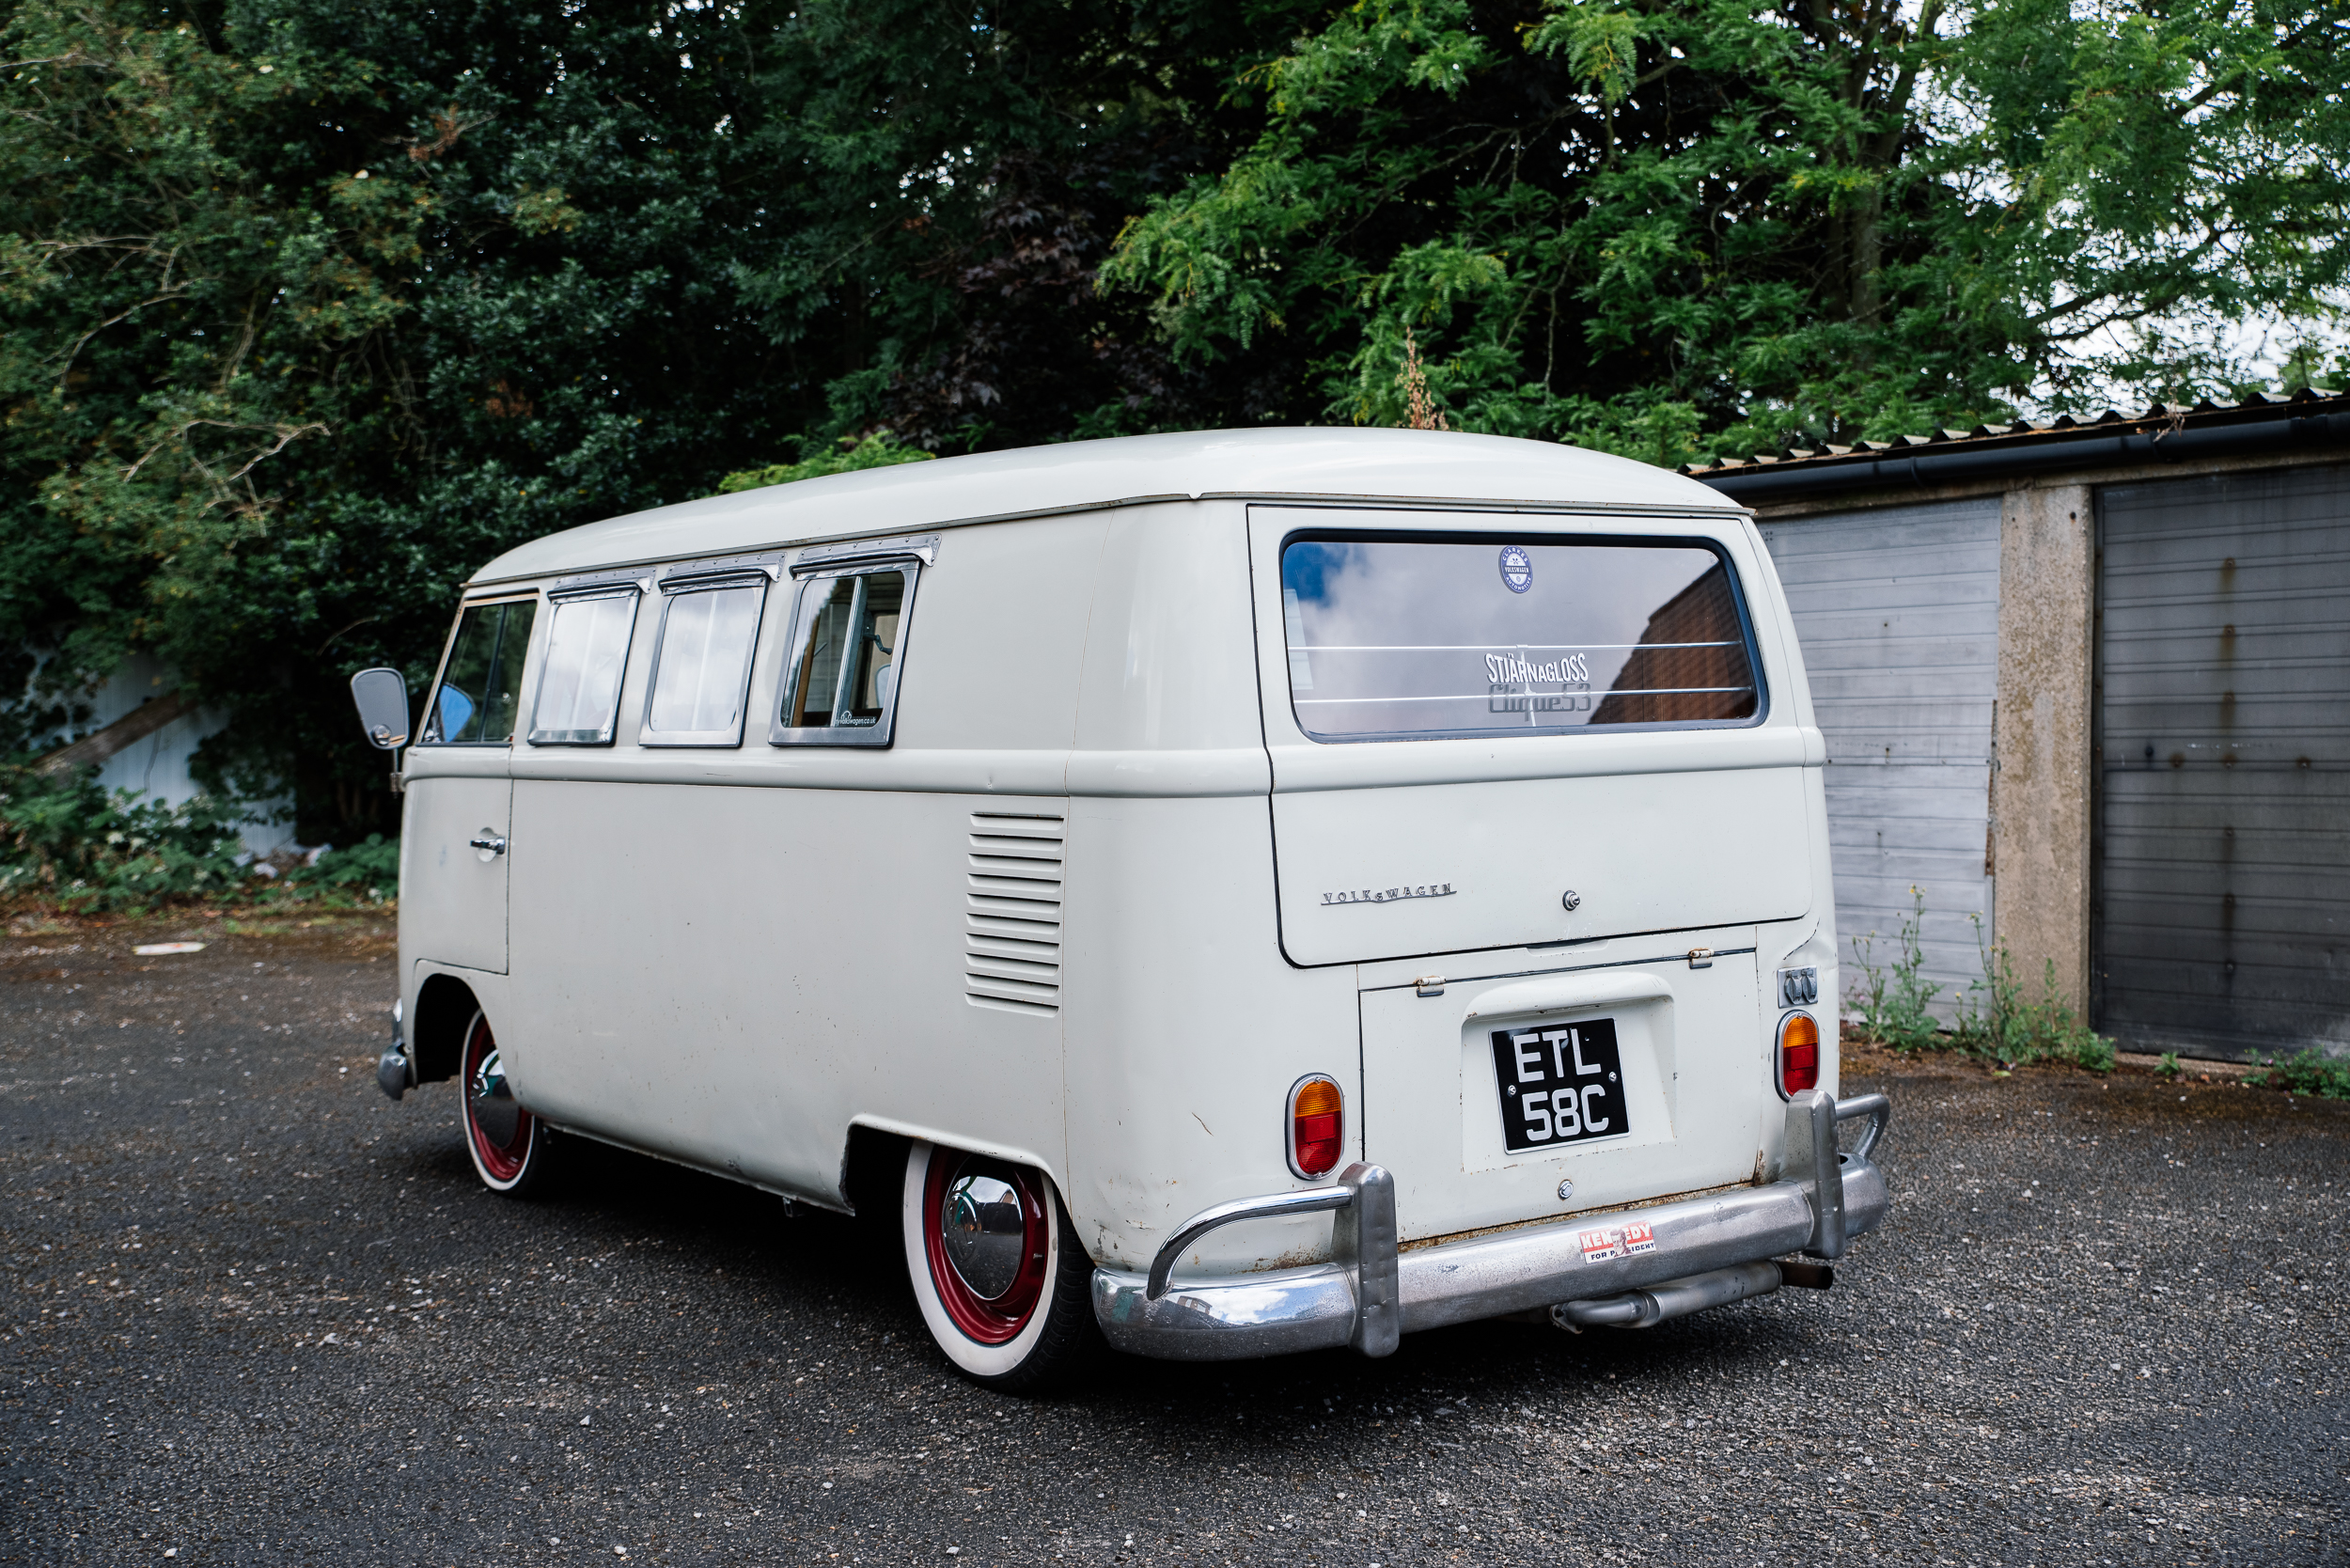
column 2040, row 787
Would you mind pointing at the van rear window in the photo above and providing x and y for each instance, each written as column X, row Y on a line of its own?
column 1417, row 637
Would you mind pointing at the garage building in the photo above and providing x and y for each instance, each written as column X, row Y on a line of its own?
column 2088, row 685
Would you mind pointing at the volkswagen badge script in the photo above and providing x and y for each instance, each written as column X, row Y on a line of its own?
column 1570, row 899
column 1386, row 895
column 1518, row 568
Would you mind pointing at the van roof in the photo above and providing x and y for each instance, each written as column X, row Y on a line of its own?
column 1335, row 464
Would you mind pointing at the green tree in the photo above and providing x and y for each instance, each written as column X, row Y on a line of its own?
column 1681, row 226
column 307, row 310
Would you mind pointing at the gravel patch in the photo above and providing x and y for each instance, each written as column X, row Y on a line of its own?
column 256, row 1314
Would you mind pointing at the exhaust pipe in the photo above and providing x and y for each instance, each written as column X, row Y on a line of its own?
column 1669, row 1298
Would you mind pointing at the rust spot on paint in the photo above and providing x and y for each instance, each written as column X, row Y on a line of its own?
column 2178, row 759
column 2228, row 760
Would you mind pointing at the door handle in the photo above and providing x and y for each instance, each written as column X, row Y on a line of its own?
column 491, row 844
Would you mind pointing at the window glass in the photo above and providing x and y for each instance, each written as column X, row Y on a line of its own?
column 844, row 671
column 481, row 685
column 702, row 670
column 579, row 686
column 1398, row 637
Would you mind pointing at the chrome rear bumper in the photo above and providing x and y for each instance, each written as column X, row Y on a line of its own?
column 1370, row 1293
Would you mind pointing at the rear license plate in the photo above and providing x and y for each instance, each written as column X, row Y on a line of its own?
column 1560, row 1084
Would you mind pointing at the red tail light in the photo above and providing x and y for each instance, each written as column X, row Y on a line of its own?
column 1317, row 1126
column 1798, row 1054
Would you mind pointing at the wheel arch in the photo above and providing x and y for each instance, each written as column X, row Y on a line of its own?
column 872, row 1173
column 437, row 1039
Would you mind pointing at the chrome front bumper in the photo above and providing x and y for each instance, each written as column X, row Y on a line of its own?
column 1372, row 1293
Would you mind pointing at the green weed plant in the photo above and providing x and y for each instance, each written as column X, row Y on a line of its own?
column 2309, row 1072
column 1994, row 1022
column 1895, row 998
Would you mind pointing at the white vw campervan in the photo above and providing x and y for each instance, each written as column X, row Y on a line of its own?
column 1234, row 892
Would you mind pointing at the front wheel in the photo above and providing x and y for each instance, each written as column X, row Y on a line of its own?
column 1003, row 1286
column 512, row 1149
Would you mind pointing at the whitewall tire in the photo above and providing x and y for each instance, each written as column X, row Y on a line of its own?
column 1003, row 1289
column 512, row 1149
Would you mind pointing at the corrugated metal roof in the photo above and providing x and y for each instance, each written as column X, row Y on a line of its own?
column 2155, row 422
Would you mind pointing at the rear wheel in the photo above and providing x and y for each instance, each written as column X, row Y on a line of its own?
column 1003, row 1286
column 512, row 1149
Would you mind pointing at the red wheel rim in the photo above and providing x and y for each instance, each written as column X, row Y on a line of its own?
column 501, row 1130
column 991, row 1319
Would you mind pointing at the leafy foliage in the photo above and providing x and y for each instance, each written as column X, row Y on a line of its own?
column 847, row 456
column 364, row 872
column 1994, row 1022
column 1676, row 228
column 1894, row 998
column 307, row 310
column 2309, row 1073
column 67, row 842
column 1998, row 1025
column 65, row 839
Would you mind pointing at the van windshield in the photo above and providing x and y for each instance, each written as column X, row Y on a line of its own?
column 1400, row 637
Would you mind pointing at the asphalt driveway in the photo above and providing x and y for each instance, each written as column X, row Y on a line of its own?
column 254, row 1313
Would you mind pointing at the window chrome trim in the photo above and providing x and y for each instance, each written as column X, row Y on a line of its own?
column 426, row 725
column 820, row 557
column 697, row 582
column 806, row 578
column 698, row 579
column 557, row 599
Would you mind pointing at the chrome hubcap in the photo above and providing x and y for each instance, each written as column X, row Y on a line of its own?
column 985, row 1232
column 494, row 1108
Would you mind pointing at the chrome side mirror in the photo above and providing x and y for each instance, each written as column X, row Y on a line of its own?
column 381, row 696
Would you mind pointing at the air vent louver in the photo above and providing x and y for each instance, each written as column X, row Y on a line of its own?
column 1011, row 921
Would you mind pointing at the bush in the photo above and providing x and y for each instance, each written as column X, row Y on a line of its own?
column 66, row 841
column 366, row 873
column 879, row 450
column 2311, row 1072
column 64, row 838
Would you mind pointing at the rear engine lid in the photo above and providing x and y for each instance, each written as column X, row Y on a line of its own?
column 1492, row 731
column 1540, row 1095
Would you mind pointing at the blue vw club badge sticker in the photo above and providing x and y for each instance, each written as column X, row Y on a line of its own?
column 1518, row 568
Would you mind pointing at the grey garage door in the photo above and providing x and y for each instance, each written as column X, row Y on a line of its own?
column 1898, row 609
column 2222, row 900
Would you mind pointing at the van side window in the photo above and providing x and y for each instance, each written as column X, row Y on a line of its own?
column 579, row 679
column 701, row 671
column 1400, row 636
column 848, row 640
column 481, row 682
